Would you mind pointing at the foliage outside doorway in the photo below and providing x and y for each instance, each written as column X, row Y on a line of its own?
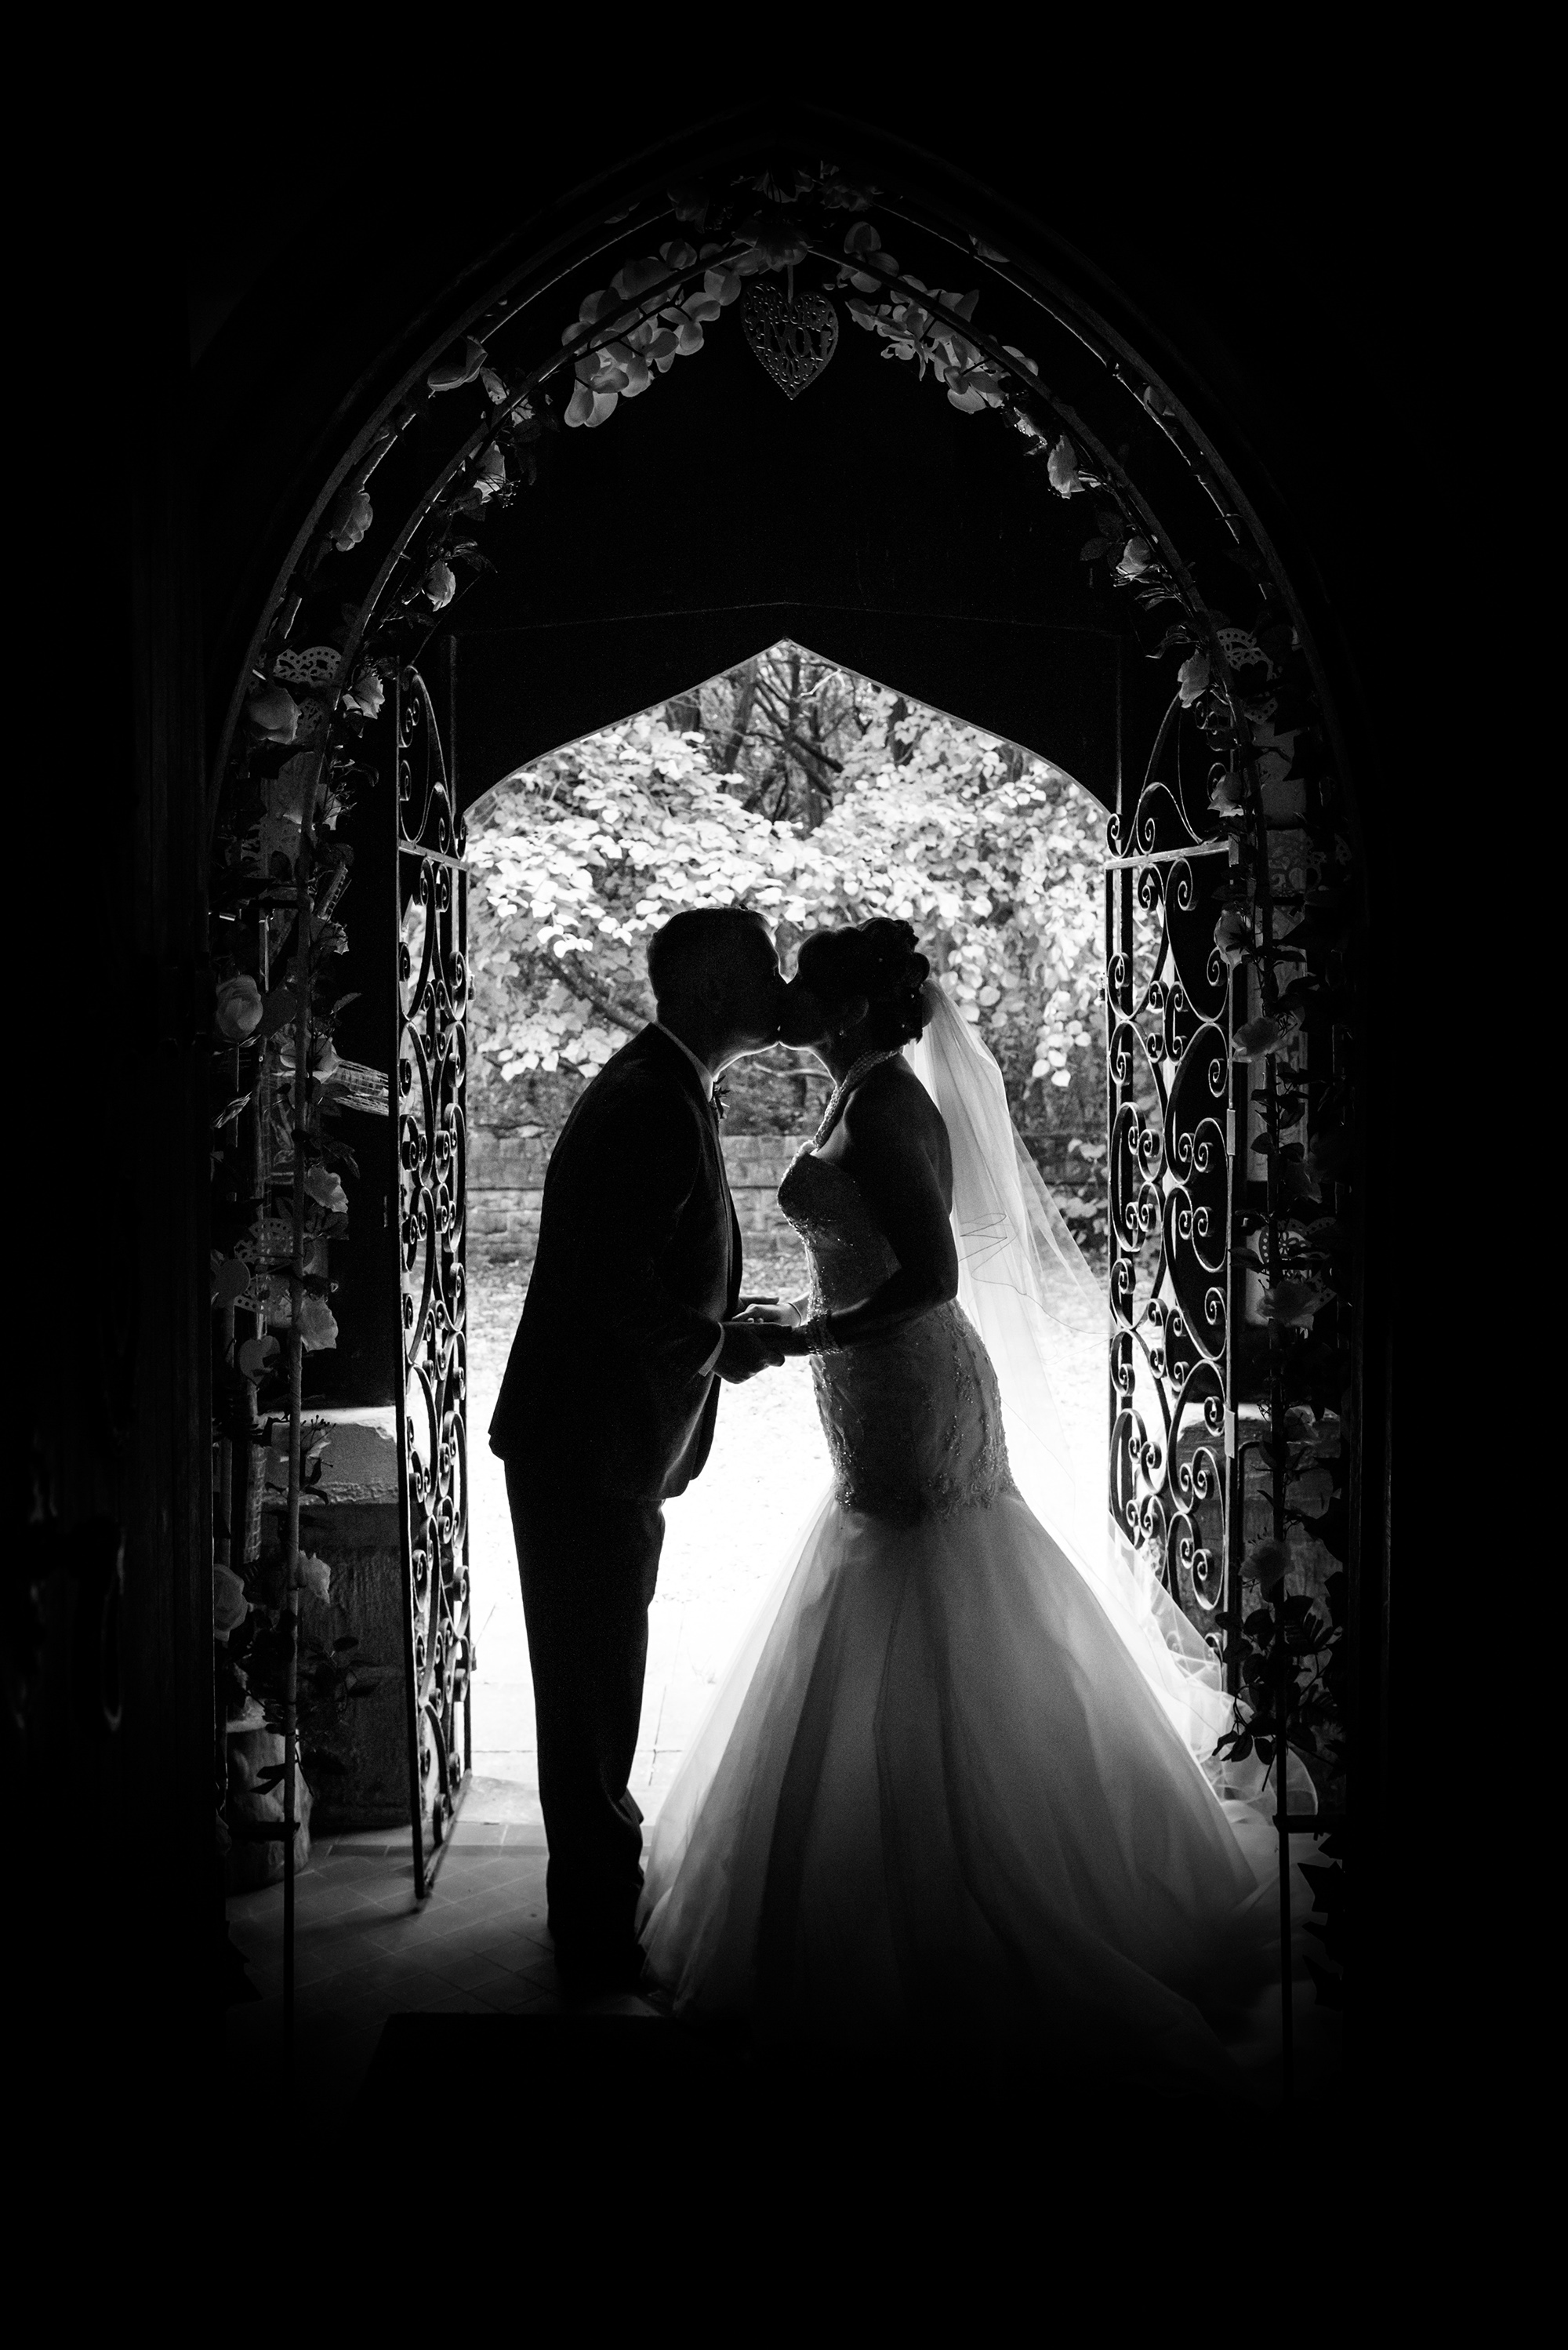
column 816, row 796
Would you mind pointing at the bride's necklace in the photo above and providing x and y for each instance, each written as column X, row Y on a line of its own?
column 846, row 1087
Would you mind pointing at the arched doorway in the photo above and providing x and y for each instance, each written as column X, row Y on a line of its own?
column 943, row 621
column 815, row 794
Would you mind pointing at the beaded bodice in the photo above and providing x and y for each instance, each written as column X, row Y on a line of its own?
column 913, row 1421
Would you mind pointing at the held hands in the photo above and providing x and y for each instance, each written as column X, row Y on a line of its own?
column 750, row 1345
column 784, row 1324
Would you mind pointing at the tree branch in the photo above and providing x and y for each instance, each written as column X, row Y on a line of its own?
column 573, row 977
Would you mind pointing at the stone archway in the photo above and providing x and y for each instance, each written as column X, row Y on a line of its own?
column 1212, row 505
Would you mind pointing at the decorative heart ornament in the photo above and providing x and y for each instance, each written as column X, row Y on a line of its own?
column 793, row 341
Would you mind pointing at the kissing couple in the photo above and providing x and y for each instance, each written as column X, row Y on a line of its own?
column 958, row 1784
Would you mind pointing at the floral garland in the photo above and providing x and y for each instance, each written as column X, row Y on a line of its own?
column 1287, row 917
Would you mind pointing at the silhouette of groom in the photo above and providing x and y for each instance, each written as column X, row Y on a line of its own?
column 610, row 1394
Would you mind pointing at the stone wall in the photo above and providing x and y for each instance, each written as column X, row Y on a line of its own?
column 506, row 1184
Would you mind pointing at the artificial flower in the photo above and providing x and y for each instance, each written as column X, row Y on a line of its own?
column 590, row 407
column 441, row 583
column 322, row 1059
column 327, row 1189
column 367, row 693
column 230, row 1606
column 1062, row 470
column 274, row 712
column 1269, row 1561
column 1233, row 935
column 1311, row 1489
column 356, row 520
column 635, row 278
column 1256, row 1039
column 495, row 385
column 1136, row 557
column 1192, row 678
column 315, row 1576
column 490, row 473
column 238, row 1009
column 458, row 368
column 317, row 1328
column 1291, row 1304
column 973, row 390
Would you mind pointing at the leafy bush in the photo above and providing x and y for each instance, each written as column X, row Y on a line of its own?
column 994, row 857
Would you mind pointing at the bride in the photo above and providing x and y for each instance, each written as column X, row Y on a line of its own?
column 957, row 1784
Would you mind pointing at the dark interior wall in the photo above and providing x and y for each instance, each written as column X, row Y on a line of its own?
column 868, row 518
column 321, row 266
column 1269, row 318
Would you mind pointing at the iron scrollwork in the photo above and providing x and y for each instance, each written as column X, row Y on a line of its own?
column 429, row 1141
column 1172, row 1124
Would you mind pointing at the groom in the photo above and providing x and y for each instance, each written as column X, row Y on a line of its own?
column 609, row 1398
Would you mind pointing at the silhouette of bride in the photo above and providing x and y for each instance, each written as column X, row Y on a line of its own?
column 958, row 1783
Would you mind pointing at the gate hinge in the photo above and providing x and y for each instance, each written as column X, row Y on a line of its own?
column 1231, row 1131
column 1229, row 1436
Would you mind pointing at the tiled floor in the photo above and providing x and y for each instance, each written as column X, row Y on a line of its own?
column 364, row 1951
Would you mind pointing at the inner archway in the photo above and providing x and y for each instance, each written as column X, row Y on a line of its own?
column 816, row 796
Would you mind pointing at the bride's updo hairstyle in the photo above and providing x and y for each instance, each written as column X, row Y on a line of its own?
column 876, row 959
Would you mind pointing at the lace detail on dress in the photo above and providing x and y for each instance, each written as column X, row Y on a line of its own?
column 914, row 1422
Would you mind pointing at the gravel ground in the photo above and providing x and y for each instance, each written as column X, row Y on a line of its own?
column 726, row 1542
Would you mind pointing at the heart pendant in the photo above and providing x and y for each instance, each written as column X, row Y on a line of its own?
column 792, row 340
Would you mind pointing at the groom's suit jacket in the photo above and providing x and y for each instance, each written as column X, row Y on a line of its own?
column 610, row 1378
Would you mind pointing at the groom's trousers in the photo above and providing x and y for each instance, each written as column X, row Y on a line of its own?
column 589, row 1564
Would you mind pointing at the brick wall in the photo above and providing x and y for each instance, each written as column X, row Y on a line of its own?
column 506, row 1184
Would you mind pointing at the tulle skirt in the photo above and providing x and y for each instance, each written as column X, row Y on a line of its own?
column 935, row 1798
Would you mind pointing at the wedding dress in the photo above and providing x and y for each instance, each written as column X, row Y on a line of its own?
column 956, row 1785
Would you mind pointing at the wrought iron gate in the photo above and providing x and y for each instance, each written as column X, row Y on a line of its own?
column 1171, row 1004
column 429, row 1142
